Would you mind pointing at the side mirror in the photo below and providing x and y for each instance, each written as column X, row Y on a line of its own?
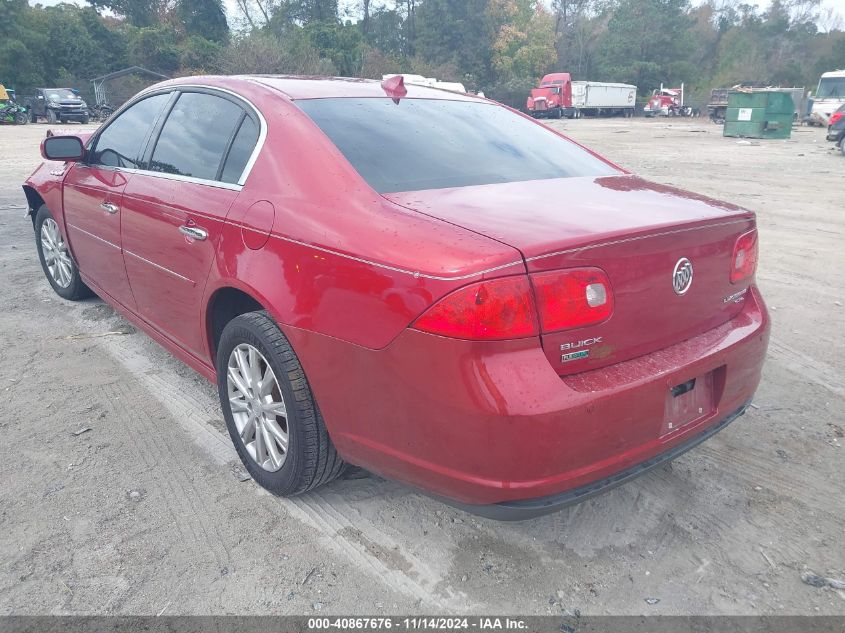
column 68, row 148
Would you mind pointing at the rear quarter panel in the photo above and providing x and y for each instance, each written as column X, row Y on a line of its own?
column 338, row 259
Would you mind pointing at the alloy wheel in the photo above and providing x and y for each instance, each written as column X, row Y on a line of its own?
column 56, row 256
column 258, row 407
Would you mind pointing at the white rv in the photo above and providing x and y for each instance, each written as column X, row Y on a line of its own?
column 829, row 96
column 431, row 82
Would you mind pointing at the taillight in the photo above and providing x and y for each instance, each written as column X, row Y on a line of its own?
column 744, row 260
column 505, row 308
column 835, row 117
column 572, row 298
column 488, row 310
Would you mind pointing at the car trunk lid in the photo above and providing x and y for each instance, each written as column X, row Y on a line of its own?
column 634, row 230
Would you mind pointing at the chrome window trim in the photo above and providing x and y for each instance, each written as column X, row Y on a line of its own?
column 180, row 178
column 256, row 152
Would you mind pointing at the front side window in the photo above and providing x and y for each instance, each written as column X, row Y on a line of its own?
column 195, row 136
column 435, row 143
column 121, row 143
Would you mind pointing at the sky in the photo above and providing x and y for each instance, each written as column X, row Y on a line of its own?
column 231, row 5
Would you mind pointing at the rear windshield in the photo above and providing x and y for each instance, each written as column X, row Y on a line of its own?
column 434, row 144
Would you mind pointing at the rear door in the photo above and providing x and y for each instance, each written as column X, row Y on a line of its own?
column 175, row 207
column 93, row 196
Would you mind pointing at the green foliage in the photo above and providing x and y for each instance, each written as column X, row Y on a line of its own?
column 499, row 46
column 456, row 32
column 142, row 13
column 342, row 44
column 641, row 45
column 264, row 53
column 156, row 48
column 204, row 18
column 199, row 55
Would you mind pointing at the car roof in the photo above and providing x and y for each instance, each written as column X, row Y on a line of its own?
column 310, row 87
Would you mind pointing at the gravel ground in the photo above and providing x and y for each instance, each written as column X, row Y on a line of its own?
column 120, row 493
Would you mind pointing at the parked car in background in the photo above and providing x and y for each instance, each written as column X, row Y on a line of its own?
column 57, row 105
column 836, row 128
column 421, row 283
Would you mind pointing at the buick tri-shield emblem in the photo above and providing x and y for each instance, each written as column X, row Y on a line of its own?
column 682, row 276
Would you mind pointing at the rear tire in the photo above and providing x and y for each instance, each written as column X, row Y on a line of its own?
column 279, row 433
column 842, row 145
column 56, row 261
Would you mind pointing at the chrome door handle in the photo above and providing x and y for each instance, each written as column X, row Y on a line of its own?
column 193, row 231
column 108, row 207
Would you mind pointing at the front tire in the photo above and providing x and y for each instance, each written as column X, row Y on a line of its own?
column 56, row 261
column 51, row 117
column 270, row 412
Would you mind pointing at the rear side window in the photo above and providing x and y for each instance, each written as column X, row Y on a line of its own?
column 122, row 142
column 240, row 151
column 195, row 136
column 434, row 144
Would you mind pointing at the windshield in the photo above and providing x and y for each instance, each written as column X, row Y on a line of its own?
column 831, row 88
column 60, row 94
column 433, row 144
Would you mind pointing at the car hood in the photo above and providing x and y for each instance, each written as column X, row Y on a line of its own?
column 542, row 216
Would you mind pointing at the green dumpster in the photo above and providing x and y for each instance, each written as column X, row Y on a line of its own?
column 759, row 114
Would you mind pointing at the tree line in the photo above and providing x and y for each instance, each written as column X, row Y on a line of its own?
column 499, row 46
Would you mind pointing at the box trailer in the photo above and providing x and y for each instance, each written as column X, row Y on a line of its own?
column 603, row 99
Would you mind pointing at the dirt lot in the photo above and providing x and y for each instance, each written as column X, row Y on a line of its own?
column 147, row 513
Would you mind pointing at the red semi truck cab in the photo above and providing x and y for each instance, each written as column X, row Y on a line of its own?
column 553, row 97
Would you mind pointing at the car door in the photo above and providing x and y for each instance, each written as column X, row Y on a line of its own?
column 93, row 196
column 175, row 207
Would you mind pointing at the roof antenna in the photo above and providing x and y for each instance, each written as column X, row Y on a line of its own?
column 394, row 87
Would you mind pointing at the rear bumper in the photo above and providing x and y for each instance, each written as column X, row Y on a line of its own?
column 835, row 135
column 530, row 508
column 484, row 423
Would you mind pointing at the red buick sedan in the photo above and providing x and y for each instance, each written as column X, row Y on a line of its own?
column 425, row 284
